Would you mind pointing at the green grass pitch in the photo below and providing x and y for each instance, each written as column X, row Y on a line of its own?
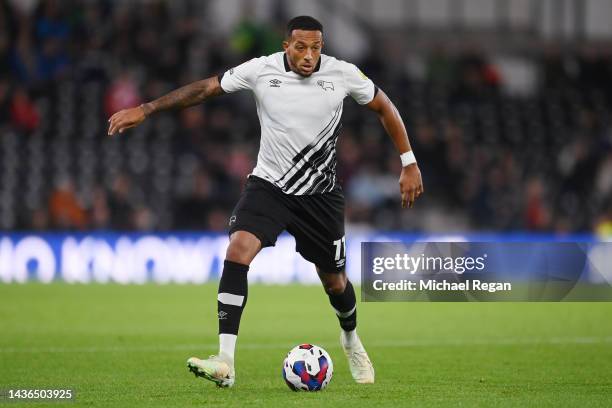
column 126, row 346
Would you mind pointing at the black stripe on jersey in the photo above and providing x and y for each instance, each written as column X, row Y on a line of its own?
column 318, row 163
column 311, row 162
column 329, row 182
column 321, row 136
column 326, row 181
column 315, row 183
column 314, row 164
column 309, row 165
column 296, row 159
column 322, row 180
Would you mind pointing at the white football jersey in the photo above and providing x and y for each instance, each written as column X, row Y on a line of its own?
column 300, row 117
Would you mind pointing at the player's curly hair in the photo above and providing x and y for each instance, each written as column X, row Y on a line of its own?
column 303, row 23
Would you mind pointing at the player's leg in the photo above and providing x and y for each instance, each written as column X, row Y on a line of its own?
column 342, row 297
column 231, row 301
column 318, row 229
column 234, row 288
column 255, row 223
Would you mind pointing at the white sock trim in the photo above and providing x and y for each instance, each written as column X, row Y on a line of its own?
column 230, row 299
column 350, row 337
column 345, row 314
column 227, row 345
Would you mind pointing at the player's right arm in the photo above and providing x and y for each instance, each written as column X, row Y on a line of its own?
column 188, row 95
column 363, row 90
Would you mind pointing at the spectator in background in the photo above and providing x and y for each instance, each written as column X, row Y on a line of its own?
column 122, row 93
column 23, row 56
column 143, row 219
column 440, row 66
column 239, row 162
column 477, row 78
column 24, row 114
column 349, row 157
column 65, row 209
column 252, row 39
column 192, row 211
column 91, row 31
column 39, row 219
column 100, row 212
column 52, row 35
column 5, row 101
column 191, row 138
column 557, row 70
column 7, row 30
column 120, row 203
column 537, row 214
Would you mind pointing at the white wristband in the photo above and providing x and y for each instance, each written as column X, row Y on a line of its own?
column 407, row 158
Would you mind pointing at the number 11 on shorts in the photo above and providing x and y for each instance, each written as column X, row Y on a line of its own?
column 340, row 245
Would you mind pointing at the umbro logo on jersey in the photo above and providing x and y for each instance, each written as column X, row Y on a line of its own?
column 232, row 220
column 326, row 85
column 275, row 83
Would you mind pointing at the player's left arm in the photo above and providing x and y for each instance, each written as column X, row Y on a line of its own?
column 410, row 181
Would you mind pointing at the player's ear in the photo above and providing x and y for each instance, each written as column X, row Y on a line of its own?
column 285, row 45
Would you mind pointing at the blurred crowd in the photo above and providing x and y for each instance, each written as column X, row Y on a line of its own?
column 491, row 161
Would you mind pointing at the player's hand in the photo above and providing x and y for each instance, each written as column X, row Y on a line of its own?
column 411, row 184
column 125, row 119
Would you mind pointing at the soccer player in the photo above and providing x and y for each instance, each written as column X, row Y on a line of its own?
column 299, row 95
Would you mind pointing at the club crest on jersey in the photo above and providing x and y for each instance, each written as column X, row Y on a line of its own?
column 275, row 83
column 326, row 85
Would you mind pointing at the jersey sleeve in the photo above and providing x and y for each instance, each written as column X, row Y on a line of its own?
column 243, row 76
column 360, row 87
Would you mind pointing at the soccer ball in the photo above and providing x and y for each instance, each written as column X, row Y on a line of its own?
column 307, row 367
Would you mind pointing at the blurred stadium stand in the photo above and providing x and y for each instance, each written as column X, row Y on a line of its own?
column 507, row 104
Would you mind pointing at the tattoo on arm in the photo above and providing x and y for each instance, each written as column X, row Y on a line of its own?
column 188, row 95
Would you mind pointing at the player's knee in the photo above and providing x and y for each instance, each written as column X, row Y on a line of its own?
column 239, row 252
column 335, row 286
column 242, row 249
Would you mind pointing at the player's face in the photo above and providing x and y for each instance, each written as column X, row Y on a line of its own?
column 303, row 50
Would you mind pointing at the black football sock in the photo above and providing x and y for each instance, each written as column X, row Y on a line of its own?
column 232, row 296
column 345, row 305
